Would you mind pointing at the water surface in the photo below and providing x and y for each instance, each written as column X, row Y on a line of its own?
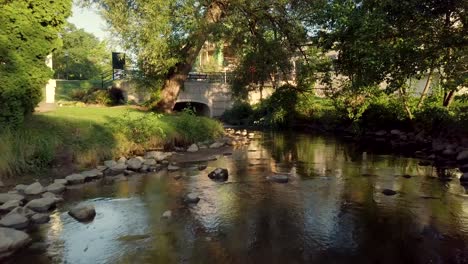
column 331, row 211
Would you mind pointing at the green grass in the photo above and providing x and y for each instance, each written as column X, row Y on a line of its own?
column 84, row 136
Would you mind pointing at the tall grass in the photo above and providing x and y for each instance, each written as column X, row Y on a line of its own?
column 83, row 137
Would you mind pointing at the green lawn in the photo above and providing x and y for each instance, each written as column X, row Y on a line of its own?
column 88, row 135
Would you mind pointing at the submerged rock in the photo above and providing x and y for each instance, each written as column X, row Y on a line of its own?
column 219, row 174
column 191, row 198
column 389, row 192
column 279, row 178
column 157, row 155
column 34, row 189
column 202, row 166
column 11, row 240
column 92, row 174
column 83, row 213
column 14, row 220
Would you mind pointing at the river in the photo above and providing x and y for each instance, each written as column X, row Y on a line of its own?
column 332, row 210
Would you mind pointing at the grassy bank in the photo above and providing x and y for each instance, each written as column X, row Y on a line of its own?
column 83, row 136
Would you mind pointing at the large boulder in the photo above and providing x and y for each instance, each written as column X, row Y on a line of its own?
column 135, row 163
column 219, row 174
column 75, row 179
column 279, row 178
column 56, row 188
column 5, row 197
column 14, row 220
column 11, row 240
column 157, row 155
column 34, row 189
column 192, row 148
column 83, row 213
column 389, row 192
column 41, row 204
column 10, row 205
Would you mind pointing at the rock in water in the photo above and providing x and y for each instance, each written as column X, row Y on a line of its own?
column 216, row 145
column 5, row 197
column 191, row 198
column 75, row 179
column 34, row 189
column 279, row 178
column 464, row 178
column 12, row 240
column 135, row 163
column 167, row 214
column 41, row 204
column 192, row 148
column 10, row 205
column 56, row 188
column 14, row 220
column 389, row 192
column 40, row 218
column 219, row 174
column 202, row 167
column 172, row 168
column 110, row 163
column 83, row 213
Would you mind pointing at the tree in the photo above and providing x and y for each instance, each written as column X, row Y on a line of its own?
column 82, row 56
column 28, row 33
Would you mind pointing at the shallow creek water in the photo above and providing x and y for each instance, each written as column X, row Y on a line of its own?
column 331, row 211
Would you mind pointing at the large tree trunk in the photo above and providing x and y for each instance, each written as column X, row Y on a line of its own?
column 448, row 98
column 177, row 76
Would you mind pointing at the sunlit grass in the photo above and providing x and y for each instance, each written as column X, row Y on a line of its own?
column 85, row 136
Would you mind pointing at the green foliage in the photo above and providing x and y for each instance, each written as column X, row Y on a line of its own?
column 28, row 33
column 82, row 56
column 138, row 129
column 239, row 114
column 194, row 129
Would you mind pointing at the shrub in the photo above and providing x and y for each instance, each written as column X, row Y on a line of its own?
column 194, row 129
column 238, row 114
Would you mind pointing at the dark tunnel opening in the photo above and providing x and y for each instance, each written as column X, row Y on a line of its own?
column 200, row 109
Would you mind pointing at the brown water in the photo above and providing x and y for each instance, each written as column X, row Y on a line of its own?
column 331, row 211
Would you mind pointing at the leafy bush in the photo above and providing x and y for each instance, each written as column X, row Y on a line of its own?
column 28, row 33
column 278, row 110
column 435, row 119
column 384, row 112
column 193, row 129
column 239, row 113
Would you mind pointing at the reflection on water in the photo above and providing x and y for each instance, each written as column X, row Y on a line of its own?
column 331, row 211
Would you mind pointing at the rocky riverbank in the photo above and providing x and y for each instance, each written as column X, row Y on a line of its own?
column 449, row 155
column 25, row 206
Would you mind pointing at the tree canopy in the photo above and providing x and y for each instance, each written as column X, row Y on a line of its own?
column 28, row 33
column 82, row 55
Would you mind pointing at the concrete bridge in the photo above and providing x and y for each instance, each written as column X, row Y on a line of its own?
column 209, row 95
